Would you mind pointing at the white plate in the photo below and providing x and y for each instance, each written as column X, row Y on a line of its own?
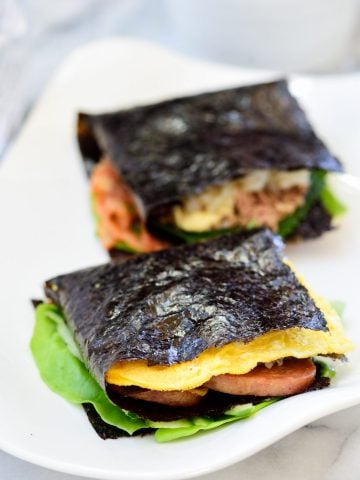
column 46, row 229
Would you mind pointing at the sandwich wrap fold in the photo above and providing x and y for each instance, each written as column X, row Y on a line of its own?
column 168, row 307
column 176, row 148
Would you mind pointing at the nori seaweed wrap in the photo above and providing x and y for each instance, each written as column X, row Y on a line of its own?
column 195, row 167
column 195, row 329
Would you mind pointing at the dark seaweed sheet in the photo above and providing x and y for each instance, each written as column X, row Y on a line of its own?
column 106, row 431
column 316, row 222
column 175, row 148
column 168, row 307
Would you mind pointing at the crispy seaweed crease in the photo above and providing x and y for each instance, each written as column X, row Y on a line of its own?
column 178, row 147
column 168, row 307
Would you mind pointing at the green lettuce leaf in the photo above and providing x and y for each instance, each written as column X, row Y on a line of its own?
column 319, row 190
column 61, row 367
column 125, row 247
column 239, row 412
column 326, row 370
column 288, row 224
column 332, row 204
column 65, row 374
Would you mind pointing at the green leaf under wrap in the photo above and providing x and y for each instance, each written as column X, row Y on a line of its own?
column 66, row 375
column 204, row 423
column 288, row 224
column 59, row 362
column 332, row 204
column 326, row 370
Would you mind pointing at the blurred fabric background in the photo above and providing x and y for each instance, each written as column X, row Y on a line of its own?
column 36, row 36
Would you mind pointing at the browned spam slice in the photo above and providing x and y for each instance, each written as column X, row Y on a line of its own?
column 293, row 376
column 186, row 398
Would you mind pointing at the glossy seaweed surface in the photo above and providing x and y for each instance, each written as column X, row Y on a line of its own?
column 168, row 307
column 178, row 147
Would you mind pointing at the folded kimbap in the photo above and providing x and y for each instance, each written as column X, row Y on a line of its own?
column 185, row 338
column 196, row 167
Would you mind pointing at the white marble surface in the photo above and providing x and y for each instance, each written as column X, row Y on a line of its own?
column 328, row 449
